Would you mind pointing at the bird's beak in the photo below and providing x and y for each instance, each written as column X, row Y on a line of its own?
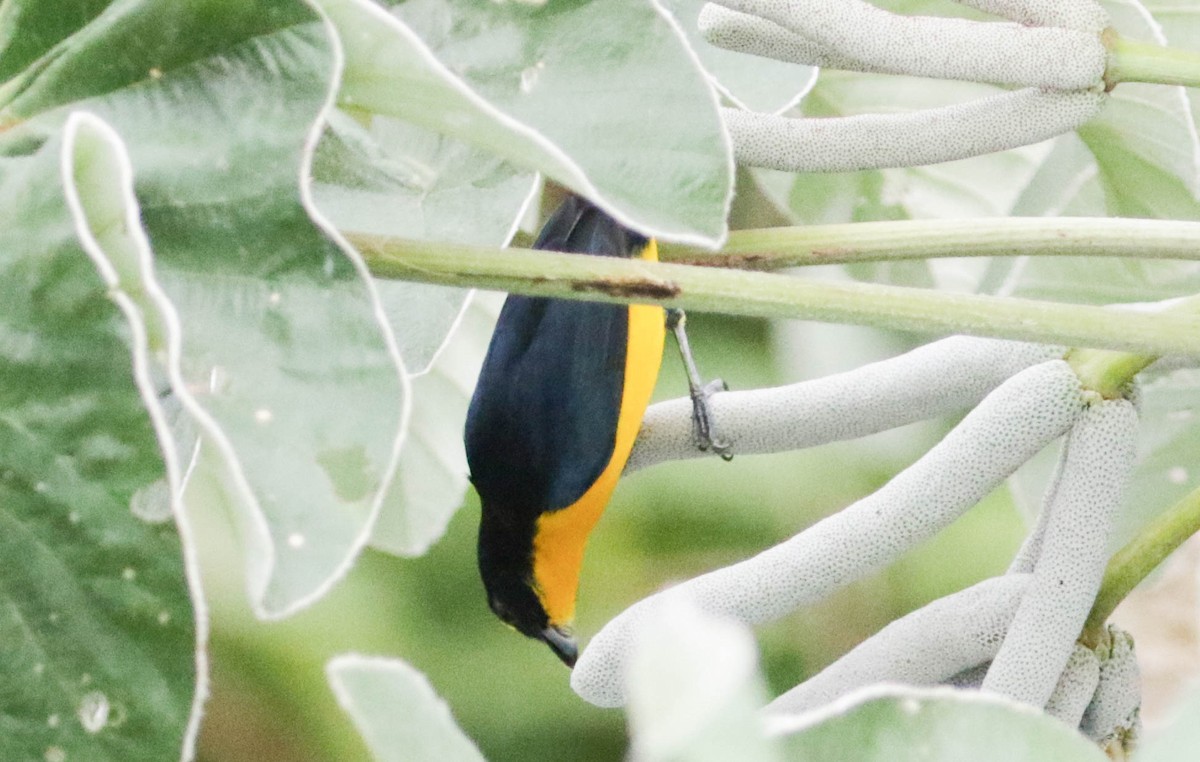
column 561, row 643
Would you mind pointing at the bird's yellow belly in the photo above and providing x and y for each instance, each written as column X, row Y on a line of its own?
column 561, row 536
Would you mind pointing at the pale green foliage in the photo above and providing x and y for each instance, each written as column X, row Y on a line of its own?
column 174, row 270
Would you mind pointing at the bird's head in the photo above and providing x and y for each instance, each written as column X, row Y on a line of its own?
column 506, row 564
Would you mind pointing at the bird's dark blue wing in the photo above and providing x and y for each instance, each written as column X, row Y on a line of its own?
column 542, row 422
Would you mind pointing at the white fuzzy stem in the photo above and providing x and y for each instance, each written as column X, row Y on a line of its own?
column 745, row 33
column 1076, row 687
column 942, row 377
column 1080, row 15
column 969, row 679
column 1118, row 699
column 876, row 141
column 1027, row 554
column 1012, row 424
column 1097, row 460
column 926, row 647
column 925, row 46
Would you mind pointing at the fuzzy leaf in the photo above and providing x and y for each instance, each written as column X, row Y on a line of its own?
column 694, row 691
column 278, row 324
column 751, row 82
column 1145, row 123
column 100, row 636
column 1179, row 739
column 549, row 88
column 397, row 711
column 932, row 725
column 432, row 478
column 390, row 178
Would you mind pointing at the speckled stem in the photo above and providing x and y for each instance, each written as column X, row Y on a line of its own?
column 1027, row 555
column 1113, row 713
column 926, row 647
column 1011, row 424
column 1076, row 688
column 877, row 141
column 926, row 46
column 942, row 377
column 888, row 241
column 1097, row 458
column 746, row 33
column 1080, row 15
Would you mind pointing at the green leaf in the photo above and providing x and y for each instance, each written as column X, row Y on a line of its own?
column 397, row 711
column 30, row 27
column 1145, row 139
column 99, row 632
column 694, row 690
column 897, row 724
column 605, row 99
column 283, row 340
column 1168, row 466
column 1145, row 151
column 432, row 477
column 389, row 178
column 1066, row 184
column 393, row 179
column 1179, row 739
column 751, row 82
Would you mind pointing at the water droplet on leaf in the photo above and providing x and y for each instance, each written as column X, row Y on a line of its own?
column 93, row 712
column 152, row 503
column 529, row 76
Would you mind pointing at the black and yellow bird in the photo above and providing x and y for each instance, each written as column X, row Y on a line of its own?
column 559, row 402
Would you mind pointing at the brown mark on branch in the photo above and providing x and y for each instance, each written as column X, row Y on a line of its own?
column 731, row 261
column 630, row 287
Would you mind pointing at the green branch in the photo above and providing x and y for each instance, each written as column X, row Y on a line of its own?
column 1109, row 374
column 736, row 292
column 1134, row 562
column 1130, row 61
column 775, row 248
column 1142, row 336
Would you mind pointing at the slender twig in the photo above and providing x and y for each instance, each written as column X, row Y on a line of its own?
column 1132, row 61
column 610, row 279
column 1109, row 374
column 1134, row 562
column 774, row 248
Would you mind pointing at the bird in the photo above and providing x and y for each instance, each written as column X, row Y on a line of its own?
column 552, row 421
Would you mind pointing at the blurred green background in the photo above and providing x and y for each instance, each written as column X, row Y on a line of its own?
column 270, row 700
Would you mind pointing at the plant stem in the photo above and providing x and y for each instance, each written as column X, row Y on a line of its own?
column 1131, row 61
column 1109, row 374
column 610, row 279
column 1136, row 560
column 774, row 248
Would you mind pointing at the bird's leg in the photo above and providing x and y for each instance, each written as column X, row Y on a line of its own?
column 704, row 431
